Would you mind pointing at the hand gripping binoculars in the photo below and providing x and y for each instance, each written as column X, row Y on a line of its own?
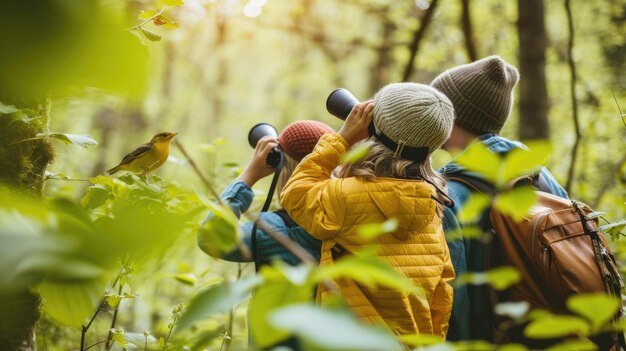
column 259, row 131
column 340, row 102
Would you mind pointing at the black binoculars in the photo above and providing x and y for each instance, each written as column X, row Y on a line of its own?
column 259, row 131
column 340, row 102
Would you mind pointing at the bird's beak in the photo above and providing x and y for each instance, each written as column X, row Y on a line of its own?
column 173, row 135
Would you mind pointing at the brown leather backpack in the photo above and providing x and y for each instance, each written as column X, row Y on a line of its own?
column 556, row 248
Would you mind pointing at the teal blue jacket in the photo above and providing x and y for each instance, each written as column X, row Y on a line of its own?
column 238, row 195
column 471, row 317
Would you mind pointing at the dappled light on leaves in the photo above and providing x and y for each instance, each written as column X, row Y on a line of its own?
column 499, row 278
column 320, row 327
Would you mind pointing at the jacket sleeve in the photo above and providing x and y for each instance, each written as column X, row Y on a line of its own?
column 238, row 195
column 442, row 298
column 310, row 197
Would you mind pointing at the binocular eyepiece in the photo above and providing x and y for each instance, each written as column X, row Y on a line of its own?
column 259, row 131
column 340, row 102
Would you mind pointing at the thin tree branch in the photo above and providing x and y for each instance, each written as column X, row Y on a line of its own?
column 573, row 79
column 289, row 244
column 285, row 241
column 468, row 30
column 109, row 343
column 417, row 39
column 619, row 109
column 149, row 19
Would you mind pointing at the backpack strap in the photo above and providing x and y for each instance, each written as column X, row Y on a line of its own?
column 289, row 222
column 475, row 184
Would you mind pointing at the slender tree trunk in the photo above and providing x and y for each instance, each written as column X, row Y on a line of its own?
column 417, row 39
column 380, row 72
column 22, row 165
column 468, row 31
column 572, row 89
column 533, row 97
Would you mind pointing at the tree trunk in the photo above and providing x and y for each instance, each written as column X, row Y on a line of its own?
column 468, row 31
column 533, row 96
column 22, row 166
column 380, row 71
column 417, row 39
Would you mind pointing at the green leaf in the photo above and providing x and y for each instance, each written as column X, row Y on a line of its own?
column 515, row 310
column 83, row 140
column 144, row 15
column 474, row 208
column 613, row 229
column 477, row 158
column 7, row 109
column 217, row 299
column 96, row 196
column 118, row 337
column 187, row 278
column 356, row 153
column 595, row 214
column 71, row 304
column 219, row 234
column 520, row 162
column 137, row 341
column 516, row 203
column 373, row 230
column 277, row 292
column 553, row 326
column 369, row 270
column 503, row 277
column 335, row 329
column 150, row 35
column 60, row 268
column 420, row 339
column 597, row 308
column 113, row 300
column 499, row 278
column 578, row 345
column 512, row 347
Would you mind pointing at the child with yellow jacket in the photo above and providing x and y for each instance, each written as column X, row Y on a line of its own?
column 395, row 180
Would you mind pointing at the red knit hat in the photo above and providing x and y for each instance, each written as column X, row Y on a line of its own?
column 299, row 138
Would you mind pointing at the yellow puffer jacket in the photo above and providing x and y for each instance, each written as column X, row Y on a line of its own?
column 333, row 209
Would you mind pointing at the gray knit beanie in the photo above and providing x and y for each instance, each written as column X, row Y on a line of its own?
column 482, row 93
column 413, row 115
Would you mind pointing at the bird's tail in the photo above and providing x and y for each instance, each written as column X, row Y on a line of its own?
column 113, row 170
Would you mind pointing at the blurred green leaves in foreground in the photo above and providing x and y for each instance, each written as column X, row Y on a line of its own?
column 68, row 252
column 51, row 45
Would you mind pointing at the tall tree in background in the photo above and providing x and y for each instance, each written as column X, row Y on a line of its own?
column 533, row 96
column 468, row 31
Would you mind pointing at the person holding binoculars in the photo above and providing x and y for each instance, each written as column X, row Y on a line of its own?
column 296, row 141
column 404, row 123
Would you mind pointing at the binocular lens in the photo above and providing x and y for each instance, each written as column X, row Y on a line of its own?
column 340, row 103
column 259, row 131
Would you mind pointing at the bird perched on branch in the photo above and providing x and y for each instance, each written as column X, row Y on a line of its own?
column 147, row 157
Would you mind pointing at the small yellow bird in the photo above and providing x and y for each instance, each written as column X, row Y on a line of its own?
column 147, row 157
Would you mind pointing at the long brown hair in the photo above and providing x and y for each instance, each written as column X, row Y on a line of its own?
column 381, row 162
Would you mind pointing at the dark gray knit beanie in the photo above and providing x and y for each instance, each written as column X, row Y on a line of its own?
column 481, row 92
